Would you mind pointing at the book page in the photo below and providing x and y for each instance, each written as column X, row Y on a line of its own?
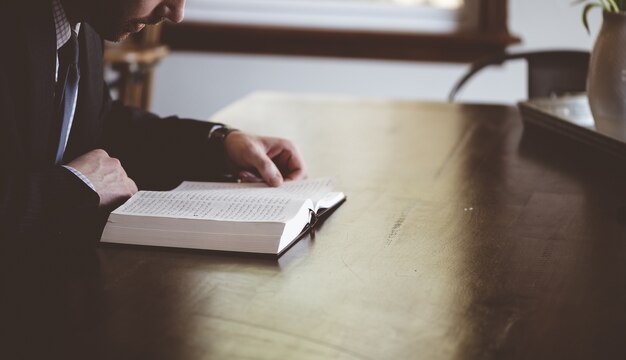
column 314, row 189
column 210, row 205
column 228, row 201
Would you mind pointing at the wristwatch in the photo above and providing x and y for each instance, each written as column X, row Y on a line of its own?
column 219, row 133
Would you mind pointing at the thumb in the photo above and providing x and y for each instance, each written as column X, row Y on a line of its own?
column 267, row 169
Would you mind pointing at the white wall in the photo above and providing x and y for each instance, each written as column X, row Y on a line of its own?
column 198, row 84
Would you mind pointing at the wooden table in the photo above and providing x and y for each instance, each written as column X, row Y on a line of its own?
column 462, row 238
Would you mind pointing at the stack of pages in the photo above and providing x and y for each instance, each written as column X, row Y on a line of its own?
column 222, row 216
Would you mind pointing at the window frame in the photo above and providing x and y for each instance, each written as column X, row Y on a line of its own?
column 488, row 35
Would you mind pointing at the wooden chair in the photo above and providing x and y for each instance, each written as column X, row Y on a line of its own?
column 549, row 72
column 133, row 61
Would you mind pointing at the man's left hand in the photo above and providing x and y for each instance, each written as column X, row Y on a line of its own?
column 275, row 160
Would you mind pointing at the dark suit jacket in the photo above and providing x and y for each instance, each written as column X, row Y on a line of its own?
column 47, row 202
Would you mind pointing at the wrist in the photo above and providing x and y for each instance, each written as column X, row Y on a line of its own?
column 219, row 133
column 218, row 136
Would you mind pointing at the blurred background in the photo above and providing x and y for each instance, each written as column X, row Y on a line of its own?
column 204, row 73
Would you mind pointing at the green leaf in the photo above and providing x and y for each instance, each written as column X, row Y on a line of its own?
column 586, row 10
column 613, row 5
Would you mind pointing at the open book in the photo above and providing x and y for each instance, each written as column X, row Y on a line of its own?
column 222, row 216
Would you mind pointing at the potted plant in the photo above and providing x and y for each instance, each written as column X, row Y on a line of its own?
column 606, row 84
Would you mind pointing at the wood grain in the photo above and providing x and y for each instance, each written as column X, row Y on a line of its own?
column 462, row 238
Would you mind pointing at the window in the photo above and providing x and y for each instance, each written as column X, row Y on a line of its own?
column 412, row 30
column 383, row 15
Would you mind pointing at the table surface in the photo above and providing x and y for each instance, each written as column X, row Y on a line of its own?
column 463, row 237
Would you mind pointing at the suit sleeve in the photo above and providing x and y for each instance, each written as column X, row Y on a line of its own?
column 48, row 205
column 42, row 204
column 159, row 153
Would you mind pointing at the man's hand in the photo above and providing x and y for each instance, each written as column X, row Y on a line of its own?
column 273, row 159
column 107, row 175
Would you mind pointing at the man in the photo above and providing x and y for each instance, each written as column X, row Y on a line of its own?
column 61, row 135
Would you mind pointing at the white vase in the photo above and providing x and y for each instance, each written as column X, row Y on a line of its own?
column 606, row 84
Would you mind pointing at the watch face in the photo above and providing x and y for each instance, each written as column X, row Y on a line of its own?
column 214, row 130
column 220, row 133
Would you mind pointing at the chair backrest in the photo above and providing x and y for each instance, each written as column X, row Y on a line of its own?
column 549, row 72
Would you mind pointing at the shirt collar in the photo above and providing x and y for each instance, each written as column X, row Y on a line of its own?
column 62, row 24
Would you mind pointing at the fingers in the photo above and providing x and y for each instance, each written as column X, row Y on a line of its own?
column 279, row 161
column 274, row 159
column 299, row 174
column 267, row 169
column 248, row 177
column 107, row 176
column 290, row 163
column 132, row 187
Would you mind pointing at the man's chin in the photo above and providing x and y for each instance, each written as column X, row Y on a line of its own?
column 118, row 32
column 121, row 37
column 116, row 37
column 114, row 34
